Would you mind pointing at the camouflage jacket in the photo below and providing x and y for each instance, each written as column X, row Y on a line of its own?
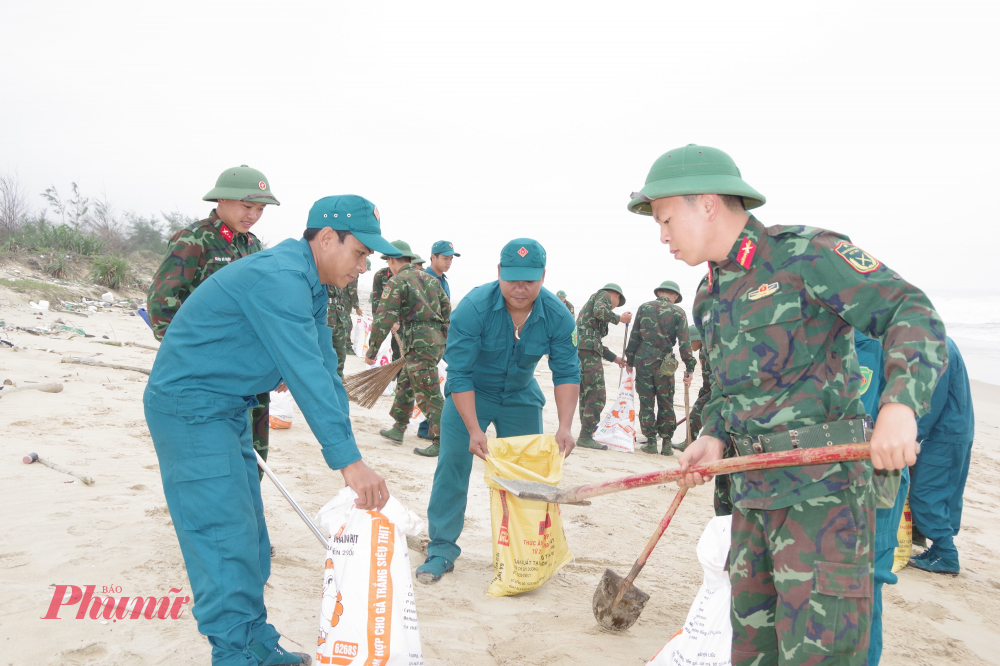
column 592, row 324
column 569, row 306
column 776, row 320
column 195, row 253
column 657, row 327
column 382, row 276
column 706, row 373
column 416, row 300
column 342, row 303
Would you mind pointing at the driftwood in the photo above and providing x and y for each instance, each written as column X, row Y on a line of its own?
column 83, row 360
column 141, row 346
column 106, row 342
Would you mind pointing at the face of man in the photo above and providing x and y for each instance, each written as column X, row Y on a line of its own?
column 684, row 227
column 239, row 215
column 695, row 345
column 669, row 295
column 521, row 294
column 615, row 298
column 441, row 264
column 338, row 262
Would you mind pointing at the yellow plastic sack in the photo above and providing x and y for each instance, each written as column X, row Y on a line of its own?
column 901, row 556
column 529, row 544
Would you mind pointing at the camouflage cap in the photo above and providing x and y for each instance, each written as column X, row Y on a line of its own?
column 693, row 333
column 561, row 294
column 611, row 286
column 670, row 286
column 693, row 169
column 242, row 184
column 403, row 250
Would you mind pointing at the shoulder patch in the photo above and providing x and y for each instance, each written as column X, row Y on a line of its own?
column 386, row 292
column 866, row 379
column 574, row 337
column 857, row 258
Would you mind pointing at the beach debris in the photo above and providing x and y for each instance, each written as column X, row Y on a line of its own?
column 73, row 329
column 617, row 601
column 141, row 345
column 85, row 360
column 47, row 387
column 40, row 305
column 34, row 457
column 108, row 298
column 113, row 343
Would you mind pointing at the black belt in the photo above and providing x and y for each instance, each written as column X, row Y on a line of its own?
column 810, row 437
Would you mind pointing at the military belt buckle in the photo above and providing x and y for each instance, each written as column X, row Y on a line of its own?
column 758, row 446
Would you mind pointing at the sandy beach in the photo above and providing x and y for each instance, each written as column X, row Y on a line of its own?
column 117, row 532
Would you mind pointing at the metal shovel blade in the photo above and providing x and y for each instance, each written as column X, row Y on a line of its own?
column 620, row 616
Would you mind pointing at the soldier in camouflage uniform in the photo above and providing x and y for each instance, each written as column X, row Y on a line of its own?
column 381, row 279
column 569, row 306
column 659, row 325
column 723, row 505
column 777, row 313
column 592, row 326
column 195, row 253
column 338, row 318
column 415, row 300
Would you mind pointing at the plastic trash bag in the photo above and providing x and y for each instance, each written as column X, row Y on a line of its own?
column 281, row 410
column 360, row 333
column 384, row 357
column 368, row 614
column 617, row 428
column 529, row 544
column 707, row 636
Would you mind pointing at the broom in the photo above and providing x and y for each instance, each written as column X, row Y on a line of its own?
column 367, row 387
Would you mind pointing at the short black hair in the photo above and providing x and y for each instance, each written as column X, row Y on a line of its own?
column 310, row 234
column 730, row 201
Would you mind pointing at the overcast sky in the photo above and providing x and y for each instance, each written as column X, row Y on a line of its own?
column 478, row 122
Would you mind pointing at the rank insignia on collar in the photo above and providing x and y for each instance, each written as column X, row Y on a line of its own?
column 745, row 255
column 763, row 291
column 857, row 258
column 226, row 232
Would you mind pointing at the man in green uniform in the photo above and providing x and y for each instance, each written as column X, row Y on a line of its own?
column 415, row 300
column 659, row 325
column 777, row 315
column 195, row 253
column 562, row 297
column 338, row 318
column 592, row 326
column 382, row 277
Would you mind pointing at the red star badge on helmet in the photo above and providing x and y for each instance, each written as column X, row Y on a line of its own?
column 522, row 252
column 262, row 185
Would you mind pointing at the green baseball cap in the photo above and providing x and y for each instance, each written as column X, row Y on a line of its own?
column 242, row 184
column 671, row 286
column 561, row 294
column 693, row 333
column 693, row 169
column 402, row 249
column 349, row 212
column 611, row 286
column 522, row 259
column 445, row 248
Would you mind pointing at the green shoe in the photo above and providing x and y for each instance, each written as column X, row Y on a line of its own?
column 276, row 657
column 649, row 446
column 667, row 450
column 394, row 435
column 433, row 568
column 431, row 451
column 588, row 443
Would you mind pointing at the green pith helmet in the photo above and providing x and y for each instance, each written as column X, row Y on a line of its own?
column 417, row 259
column 693, row 169
column 561, row 294
column 671, row 286
column 242, row 184
column 403, row 247
column 693, row 333
column 368, row 265
column 611, row 286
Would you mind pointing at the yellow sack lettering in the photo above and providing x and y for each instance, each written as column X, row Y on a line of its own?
column 529, row 544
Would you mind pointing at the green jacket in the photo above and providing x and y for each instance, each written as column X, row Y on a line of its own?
column 776, row 319
column 195, row 253
column 342, row 302
column 657, row 327
column 416, row 300
column 592, row 324
column 382, row 276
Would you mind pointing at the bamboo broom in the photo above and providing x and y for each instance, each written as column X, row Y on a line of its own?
column 367, row 387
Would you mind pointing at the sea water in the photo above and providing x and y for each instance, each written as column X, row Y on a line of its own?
column 973, row 322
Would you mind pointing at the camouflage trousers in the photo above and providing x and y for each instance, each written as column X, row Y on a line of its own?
column 698, row 409
column 656, row 401
column 593, row 394
column 341, row 341
column 802, row 581
column 260, row 426
column 418, row 382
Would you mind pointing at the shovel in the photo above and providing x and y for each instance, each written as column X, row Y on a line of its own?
column 543, row 492
column 617, row 602
column 298, row 509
